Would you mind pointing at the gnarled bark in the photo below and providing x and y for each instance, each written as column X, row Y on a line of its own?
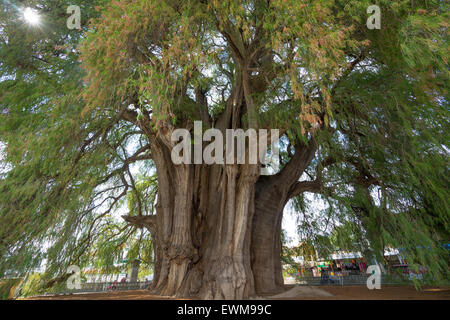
column 202, row 228
column 217, row 229
column 272, row 194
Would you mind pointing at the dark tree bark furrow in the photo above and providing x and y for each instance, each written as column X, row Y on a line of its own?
column 217, row 228
column 272, row 195
column 217, row 232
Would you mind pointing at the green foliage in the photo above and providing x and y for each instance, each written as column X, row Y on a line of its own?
column 32, row 285
column 387, row 185
column 8, row 287
column 287, row 252
column 146, row 188
column 65, row 170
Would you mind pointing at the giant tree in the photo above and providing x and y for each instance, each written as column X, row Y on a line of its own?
column 361, row 113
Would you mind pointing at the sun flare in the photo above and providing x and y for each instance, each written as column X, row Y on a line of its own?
column 31, row 16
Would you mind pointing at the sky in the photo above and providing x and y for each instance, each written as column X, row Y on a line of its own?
column 289, row 224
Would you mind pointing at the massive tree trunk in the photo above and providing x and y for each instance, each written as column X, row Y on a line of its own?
column 204, row 216
column 272, row 195
column 202, row 228
column 266, row 238
column 217, row 228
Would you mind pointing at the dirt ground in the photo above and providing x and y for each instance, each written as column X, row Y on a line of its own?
column 302, row 293
column 385, row 293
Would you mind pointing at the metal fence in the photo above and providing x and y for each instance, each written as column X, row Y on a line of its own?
column 102, row 287
column 336, row 279
column 346, row 280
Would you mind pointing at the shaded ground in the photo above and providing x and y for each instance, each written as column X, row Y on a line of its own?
column 385, row 293
column 292, row 293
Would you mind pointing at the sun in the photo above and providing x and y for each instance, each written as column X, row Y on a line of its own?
column 31, row 16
